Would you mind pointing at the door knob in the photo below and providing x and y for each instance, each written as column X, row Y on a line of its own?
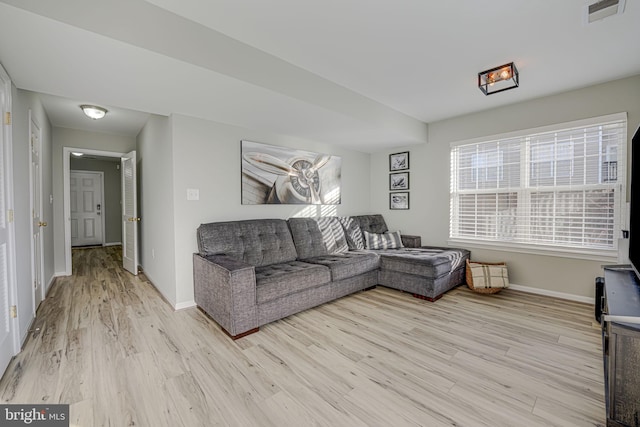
column 42, row 224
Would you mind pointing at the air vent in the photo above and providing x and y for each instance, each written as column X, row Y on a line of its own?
column 602, row 9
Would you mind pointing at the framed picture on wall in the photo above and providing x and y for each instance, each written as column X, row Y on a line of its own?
column 273, row 175
column 399, row 161
column 399, row 200
column 399, row 181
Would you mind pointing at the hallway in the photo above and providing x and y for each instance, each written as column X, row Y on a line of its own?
column 99, row 343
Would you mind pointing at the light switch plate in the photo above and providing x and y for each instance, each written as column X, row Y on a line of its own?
column 193, row 194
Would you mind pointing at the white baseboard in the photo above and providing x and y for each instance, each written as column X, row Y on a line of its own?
column 183, row 305
column 113, row 244
column 60, row 274
column 176, row 307
column 546, row 292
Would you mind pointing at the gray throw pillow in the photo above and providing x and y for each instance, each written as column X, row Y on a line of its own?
column 388, row 240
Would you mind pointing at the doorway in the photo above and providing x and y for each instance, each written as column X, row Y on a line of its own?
column 128, row 209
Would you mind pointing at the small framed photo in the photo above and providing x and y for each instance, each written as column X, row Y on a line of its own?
column 399, row 161
column 399, row 200
column 399, row 181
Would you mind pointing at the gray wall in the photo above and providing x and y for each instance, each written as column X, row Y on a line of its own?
column 430, row 163
column 206, row 155
column 63, row 137
column 112, row 209
column 155, row 200
column 23, row 101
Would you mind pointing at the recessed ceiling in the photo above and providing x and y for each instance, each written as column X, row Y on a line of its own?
column 364, row 74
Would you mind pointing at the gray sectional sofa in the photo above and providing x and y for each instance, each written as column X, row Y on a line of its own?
column 253, row 272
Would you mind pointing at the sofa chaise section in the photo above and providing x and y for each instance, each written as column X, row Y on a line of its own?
column 426, row 272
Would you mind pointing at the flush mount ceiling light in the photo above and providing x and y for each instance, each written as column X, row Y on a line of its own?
column 498, row 79
column 93, row 112
column 77, row 154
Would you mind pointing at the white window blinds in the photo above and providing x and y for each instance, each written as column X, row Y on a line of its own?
column 559, row 188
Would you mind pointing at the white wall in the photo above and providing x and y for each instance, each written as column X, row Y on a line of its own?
column 23, row 101
column 155, row 200
column 63, row 137
column 206, row 156
column 429, row 213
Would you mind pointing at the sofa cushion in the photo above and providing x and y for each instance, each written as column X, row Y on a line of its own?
column 426, row 262
column 278, row 280
column 353, row 233
column 386, row 240
column 333, row 234
column 307, row 237
column 348, row 264
column 316, row 237
column 372, row 223
column 256, row 242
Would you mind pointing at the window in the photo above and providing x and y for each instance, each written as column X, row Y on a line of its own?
column 555, row 188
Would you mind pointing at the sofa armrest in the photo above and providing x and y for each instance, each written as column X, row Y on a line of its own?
column 411, row 241
column 225, row 289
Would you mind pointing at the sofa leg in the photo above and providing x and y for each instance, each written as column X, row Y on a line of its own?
column 427, row 298
column 233, row 337
column 370, row 288
column 244, row 334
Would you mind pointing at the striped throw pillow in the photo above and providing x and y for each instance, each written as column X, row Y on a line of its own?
column 388, row 240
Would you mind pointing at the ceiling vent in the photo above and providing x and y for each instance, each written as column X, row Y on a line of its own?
column 602, row 9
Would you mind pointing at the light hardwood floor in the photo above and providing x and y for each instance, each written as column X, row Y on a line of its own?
column 105, row 342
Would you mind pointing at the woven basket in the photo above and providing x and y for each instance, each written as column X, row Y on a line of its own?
column 469, row 277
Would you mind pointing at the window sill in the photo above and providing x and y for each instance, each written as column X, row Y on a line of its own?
column 607, row 256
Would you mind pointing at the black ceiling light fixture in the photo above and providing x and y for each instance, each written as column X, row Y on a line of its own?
column 498, row 79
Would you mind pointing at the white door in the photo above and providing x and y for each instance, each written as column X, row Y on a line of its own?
column 85, row 200
column 37, row 261
column 8, row 324
column 129, row 213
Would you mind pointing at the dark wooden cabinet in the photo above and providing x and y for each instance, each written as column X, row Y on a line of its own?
column 620, row 303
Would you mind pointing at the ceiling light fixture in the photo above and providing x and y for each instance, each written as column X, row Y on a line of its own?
column 498, row 79
column 93, row 112
column 77, row 154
